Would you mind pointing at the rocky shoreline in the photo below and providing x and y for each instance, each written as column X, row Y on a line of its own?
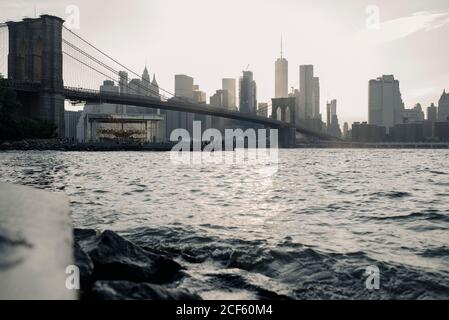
column 67, row 145
column 113, row 268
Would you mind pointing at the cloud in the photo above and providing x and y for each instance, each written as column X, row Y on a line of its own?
column 403, row 27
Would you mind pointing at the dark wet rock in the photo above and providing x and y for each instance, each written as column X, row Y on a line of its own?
column 115, row 258
column 83, row 234
column 125, row 290
column 85, row 265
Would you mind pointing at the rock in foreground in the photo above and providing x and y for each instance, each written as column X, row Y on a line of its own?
column 125, row 290
column 112, row 267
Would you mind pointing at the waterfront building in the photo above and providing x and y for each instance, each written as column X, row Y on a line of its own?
column 123, row 128
column 364, row 132
column 407, row 132
column 442, row 131
column 413, row 115
column 71, row 121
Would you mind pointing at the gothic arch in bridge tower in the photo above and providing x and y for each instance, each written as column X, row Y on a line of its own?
column 21, row 69
column 287, row 115
column 279, row 114
column 37, row 59
column 283, row 109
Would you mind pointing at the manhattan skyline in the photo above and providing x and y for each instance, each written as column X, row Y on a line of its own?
column 334, row 38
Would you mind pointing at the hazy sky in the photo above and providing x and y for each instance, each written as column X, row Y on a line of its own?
column 211, row 39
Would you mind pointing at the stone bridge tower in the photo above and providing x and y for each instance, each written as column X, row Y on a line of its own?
column 35, row 55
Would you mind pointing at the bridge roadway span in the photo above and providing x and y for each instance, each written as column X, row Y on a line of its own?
column 177, row 104
column 174, row 104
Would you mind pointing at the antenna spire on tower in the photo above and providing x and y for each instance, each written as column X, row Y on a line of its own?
column 281, row 47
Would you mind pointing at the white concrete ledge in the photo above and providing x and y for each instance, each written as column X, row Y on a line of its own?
column 35, row 244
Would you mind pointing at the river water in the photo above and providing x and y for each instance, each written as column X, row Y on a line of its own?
column 307, row 230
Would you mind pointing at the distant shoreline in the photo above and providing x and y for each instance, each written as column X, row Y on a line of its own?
column 67, row 146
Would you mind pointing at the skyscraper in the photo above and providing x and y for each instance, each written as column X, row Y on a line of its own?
column 331, row 111
column 248, row 93
column 146, row 83
column 385, row 105
column 432, row 113
column 155, row 87
column 306, row 92
column 345, row 130
column 281, row 77
column 176, row 119
column 198, row 95
column 230, row 86
column 184, row 87
column 220, row 99
column 316, row 98
column 443, row 107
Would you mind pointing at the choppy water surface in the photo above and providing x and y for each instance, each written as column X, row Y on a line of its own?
column 307, row 231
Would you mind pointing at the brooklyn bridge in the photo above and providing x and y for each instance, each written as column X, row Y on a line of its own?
column 48, row 64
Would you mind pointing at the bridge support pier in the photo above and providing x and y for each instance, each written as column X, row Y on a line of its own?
column 35, row 55
column 287, row 137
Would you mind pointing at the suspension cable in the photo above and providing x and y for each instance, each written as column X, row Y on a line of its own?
column 140, row 86
column 109, row 57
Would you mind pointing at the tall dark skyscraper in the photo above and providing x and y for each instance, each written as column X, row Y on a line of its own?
column 443, row 107
column 306, row 92
column 248, row 93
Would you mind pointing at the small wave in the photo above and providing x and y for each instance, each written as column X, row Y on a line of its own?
column 438, row 172
column 392, row 194
column 425, row 215
column 436, row 252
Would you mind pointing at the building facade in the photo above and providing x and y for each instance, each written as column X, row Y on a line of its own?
column 316, row 98
column 71, row 123
column 247, row 93
column 262, row 109
column 385, row 106
column 432, row 113
column 306, row 95
column 331, row 110
column 413, row 115
column 443, row 107
column 281, row 77
column 230, row 85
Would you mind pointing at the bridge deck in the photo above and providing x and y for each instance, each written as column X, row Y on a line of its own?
column 178, row 104
column 174, row 104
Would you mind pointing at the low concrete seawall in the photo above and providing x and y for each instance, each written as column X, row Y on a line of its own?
column 36, row 244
